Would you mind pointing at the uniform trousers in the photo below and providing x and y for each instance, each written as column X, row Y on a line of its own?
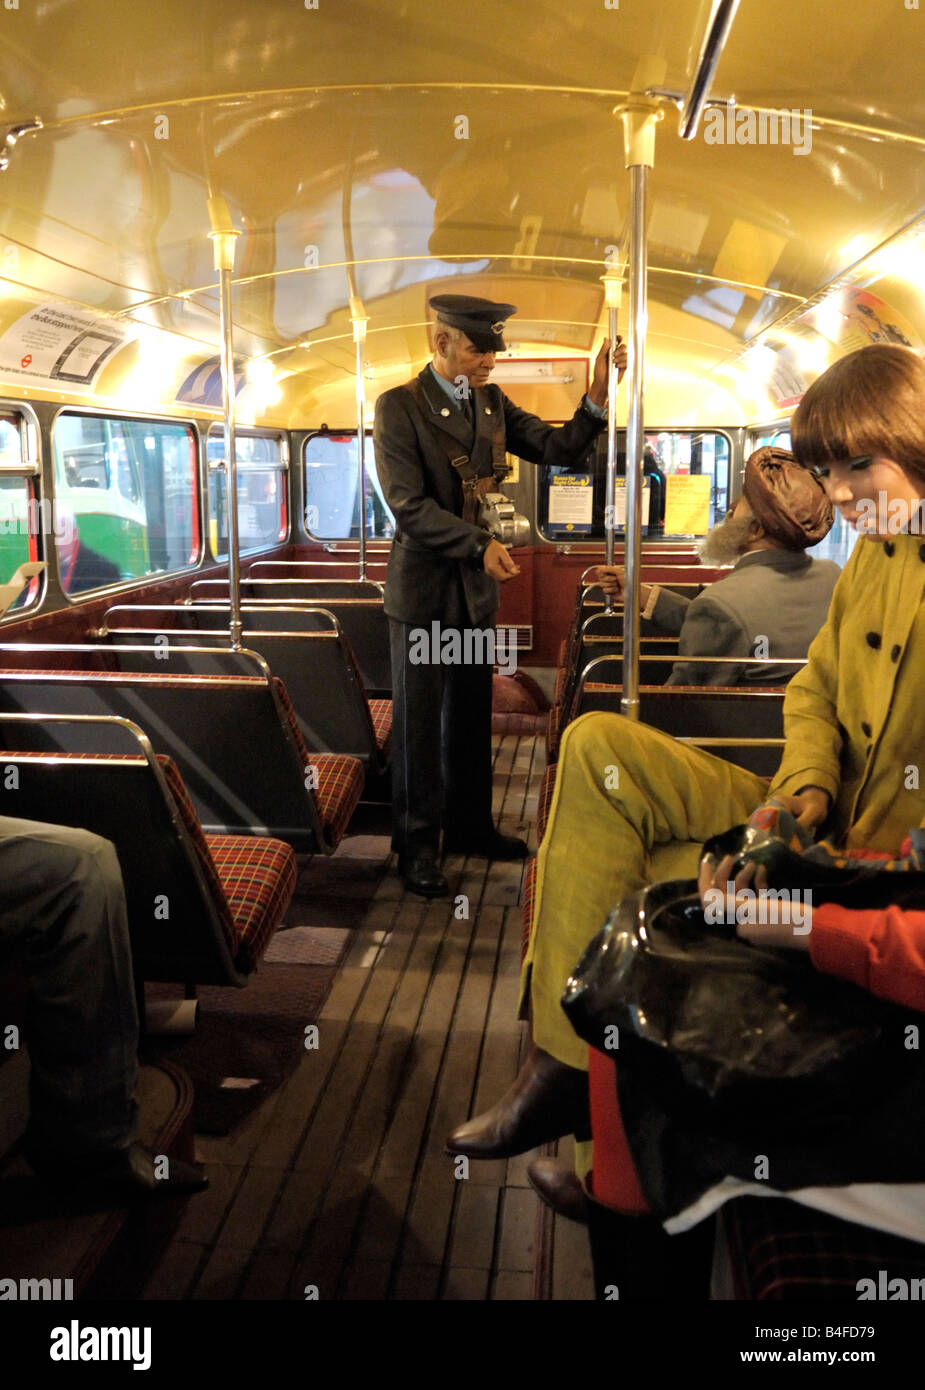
column 631, row 806
column 441, row 732
column 62, row 910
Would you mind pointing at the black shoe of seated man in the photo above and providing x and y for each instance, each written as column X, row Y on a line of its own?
column 124, row 1175
column 422, row 876
column 493, row 846
column 546, row 1101
column 560, row 1188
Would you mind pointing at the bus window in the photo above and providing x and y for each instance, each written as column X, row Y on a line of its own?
column 129, row 490
column 777, row 436
column 667, row 454
column 22, row 522
column 332, row 509
column 262, row 502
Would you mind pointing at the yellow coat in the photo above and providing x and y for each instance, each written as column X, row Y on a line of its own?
column 854, row 717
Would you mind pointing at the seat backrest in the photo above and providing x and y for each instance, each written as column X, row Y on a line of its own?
column 593, row 645
column 225, row 729
column 362, row 621
column 756, row 670
column 325, row 688
column 214, row 616
column 180, row 924
column 307, row 590
column 319, row 672
column 695, row 712
column 342, row 565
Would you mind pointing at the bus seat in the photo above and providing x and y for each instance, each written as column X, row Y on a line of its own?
column 778, row 1250
column 783, row 1251
column 261, row 621
column 282, row 590
column 202, row 909
column 269, row 786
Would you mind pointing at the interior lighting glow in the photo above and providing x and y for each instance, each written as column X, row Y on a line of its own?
column 904, row 261
column 262, row 384
column 854, row 249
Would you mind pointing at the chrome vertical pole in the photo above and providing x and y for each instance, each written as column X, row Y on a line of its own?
column 639, row 119
column 613, row 287
column 223, row 237
column 359, row 322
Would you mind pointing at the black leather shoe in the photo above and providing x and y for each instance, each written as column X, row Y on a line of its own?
column 422, row 876
column 546, row 1101
column 125, row 1175
column 560, row 1188
column 494, row 846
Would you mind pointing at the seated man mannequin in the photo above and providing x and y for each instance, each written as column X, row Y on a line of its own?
column 62, row 903
column 776, row 598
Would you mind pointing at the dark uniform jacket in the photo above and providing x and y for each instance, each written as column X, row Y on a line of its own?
column 780, row 595
column 432, row 542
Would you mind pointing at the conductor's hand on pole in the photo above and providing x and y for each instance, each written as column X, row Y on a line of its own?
column 597, row 392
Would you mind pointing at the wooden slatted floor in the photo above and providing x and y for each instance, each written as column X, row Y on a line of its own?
column 339, row 1181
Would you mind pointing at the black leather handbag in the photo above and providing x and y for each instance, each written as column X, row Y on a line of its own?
column 734, row 1059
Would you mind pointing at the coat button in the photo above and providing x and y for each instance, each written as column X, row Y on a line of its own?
column 894, row 654
column 488, row 410
column 866, row 730
column 874, row 639
column 445, row 411
column 890, row 547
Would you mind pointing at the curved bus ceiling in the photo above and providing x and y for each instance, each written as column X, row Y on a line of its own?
column 333, row 134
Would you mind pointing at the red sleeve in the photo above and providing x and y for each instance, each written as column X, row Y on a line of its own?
column 882, row 950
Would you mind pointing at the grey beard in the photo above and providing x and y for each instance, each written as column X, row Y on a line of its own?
column 726, row 543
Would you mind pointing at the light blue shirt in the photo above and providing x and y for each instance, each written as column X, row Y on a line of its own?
column 450, row 388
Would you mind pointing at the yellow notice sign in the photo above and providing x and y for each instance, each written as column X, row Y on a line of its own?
column 687, row 504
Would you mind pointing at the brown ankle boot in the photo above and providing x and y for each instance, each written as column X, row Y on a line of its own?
column 546, row 1101
column 560, row 1188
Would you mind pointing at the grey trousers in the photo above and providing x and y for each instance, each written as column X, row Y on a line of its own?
column 62, row 909
column 441, row 740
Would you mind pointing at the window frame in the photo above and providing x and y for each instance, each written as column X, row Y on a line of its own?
column 773, row 427
column 30, row 469
column 216, row 429
column 185, row 422
column 348, row 432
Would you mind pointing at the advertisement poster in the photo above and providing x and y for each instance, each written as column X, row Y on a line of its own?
column 570, row 503
column 687, row 505
column 619, row 507
column 57, row 345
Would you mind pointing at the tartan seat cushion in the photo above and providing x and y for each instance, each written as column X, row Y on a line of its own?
column 528, row 897
column 381, row 715
column 544, row 800
column 251, row 879
column 192, row 825
column 258, row 878
column 781, row 1250
column 340, row 776
column 340, row 786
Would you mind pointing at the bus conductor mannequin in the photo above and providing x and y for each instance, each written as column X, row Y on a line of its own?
column 438, row 441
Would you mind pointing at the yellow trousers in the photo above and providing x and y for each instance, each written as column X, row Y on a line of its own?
column 631, row 806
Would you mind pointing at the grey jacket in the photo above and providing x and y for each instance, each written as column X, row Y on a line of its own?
column 432, row 542
column 781, row 596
